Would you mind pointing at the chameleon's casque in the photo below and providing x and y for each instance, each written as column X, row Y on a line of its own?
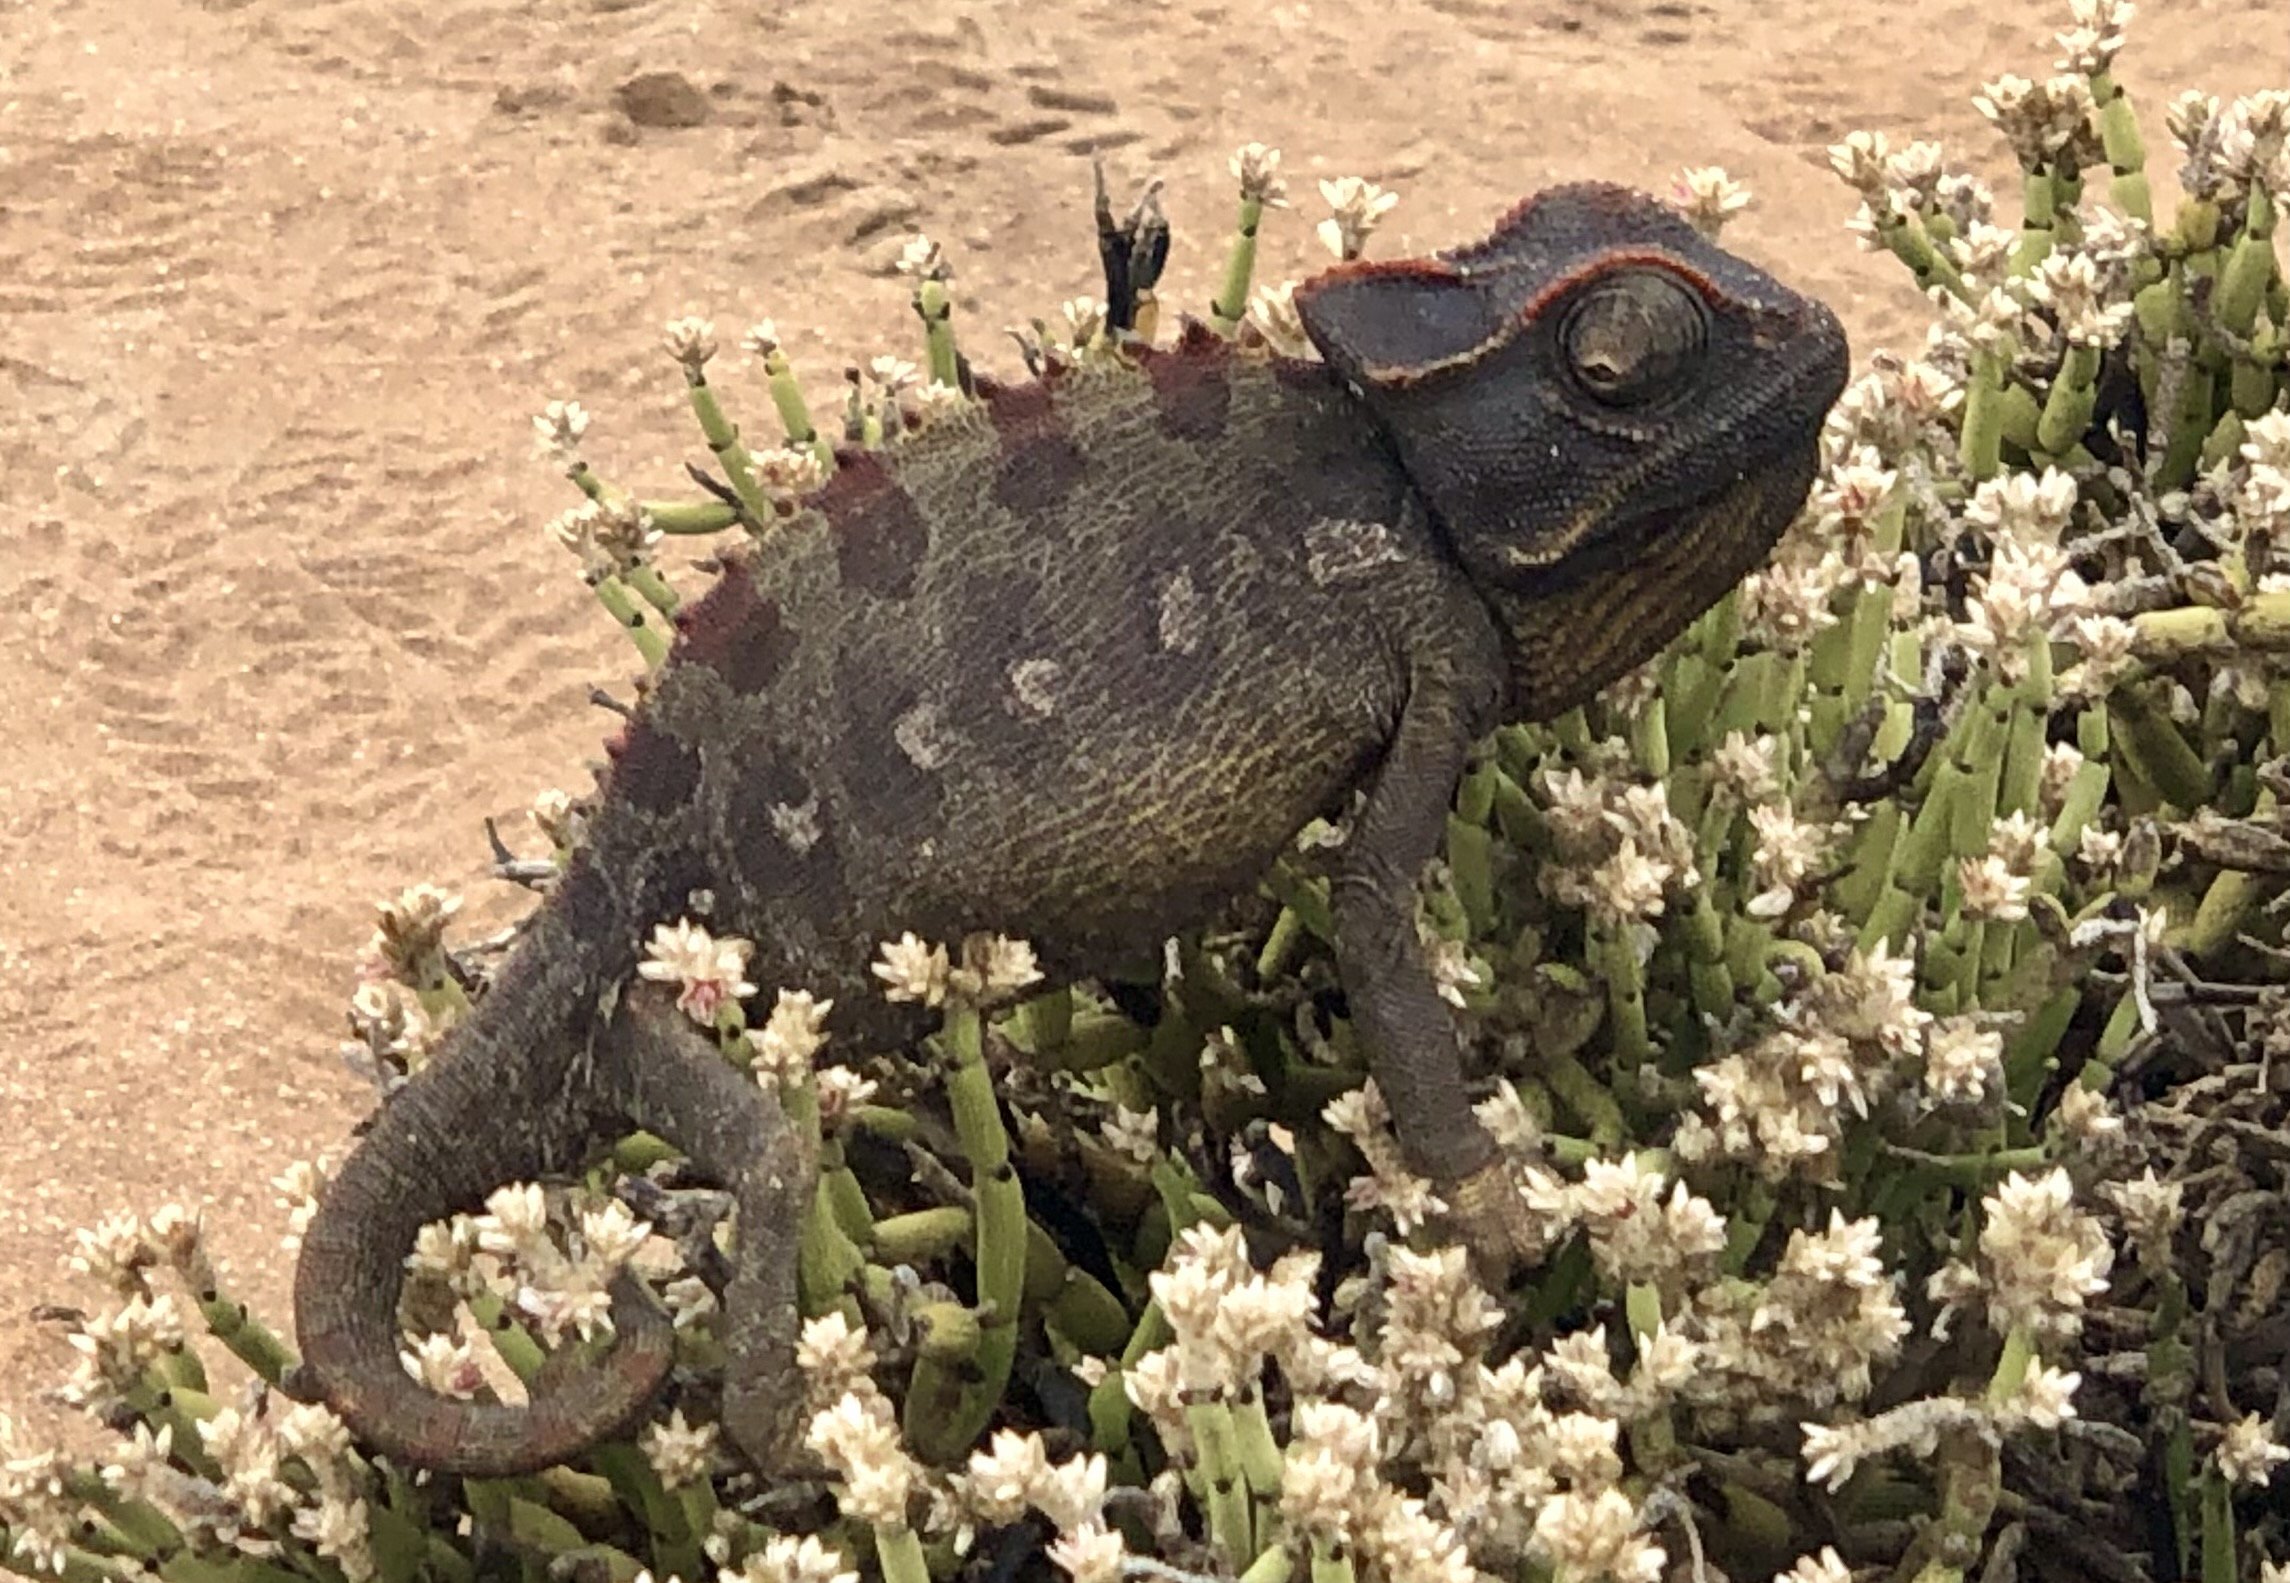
column 1075, row 665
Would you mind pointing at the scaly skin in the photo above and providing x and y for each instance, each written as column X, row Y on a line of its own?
column 1075, row 666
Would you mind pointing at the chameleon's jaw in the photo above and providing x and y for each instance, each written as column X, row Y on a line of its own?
column 1570, row 640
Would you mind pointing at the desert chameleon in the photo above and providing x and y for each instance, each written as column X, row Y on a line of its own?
column 1075, row 664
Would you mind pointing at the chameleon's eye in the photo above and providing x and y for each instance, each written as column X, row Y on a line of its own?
column 1631, row 336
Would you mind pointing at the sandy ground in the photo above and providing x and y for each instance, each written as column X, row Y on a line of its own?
column 281, row 282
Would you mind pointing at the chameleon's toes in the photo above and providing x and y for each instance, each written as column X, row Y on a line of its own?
column 1489, row 1215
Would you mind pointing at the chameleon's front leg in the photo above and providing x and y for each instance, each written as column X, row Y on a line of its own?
column 1410, row 1037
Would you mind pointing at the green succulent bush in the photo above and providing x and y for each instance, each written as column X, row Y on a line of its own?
column 1882, row 994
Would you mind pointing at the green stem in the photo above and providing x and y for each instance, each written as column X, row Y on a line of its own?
column 794, row 411
column 1224, row 1488
column 690, row 518
column 1230, row 305
column 947, row 1410
column 1260, row 1455
column 936, row 309
column 723, row 439
column 613, row 594
column 1625, row 979
column 900, row 1552
column 2218, row 1529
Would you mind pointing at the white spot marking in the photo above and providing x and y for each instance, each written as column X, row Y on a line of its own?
column 798, row 827
column 1181, row 617
column 921, row 736
column 1341, row 547
column 1033, row 687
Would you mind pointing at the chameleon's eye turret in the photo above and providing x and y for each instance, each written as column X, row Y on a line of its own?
column 1633, row 335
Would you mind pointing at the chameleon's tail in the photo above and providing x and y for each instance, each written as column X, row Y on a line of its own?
column 518, row 1093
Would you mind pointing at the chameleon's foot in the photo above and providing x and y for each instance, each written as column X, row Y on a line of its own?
column 1488, row 1215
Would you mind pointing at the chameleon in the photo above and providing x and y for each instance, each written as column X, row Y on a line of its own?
column 1075, row 663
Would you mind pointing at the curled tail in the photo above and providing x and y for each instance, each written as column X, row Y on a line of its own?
column 524, row 1088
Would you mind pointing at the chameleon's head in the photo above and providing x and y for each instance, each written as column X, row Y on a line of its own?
column 1612, row 418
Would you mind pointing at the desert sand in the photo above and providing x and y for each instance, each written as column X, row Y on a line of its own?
column 282, row 281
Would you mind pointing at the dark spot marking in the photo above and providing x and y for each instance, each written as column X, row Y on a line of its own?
column 655, row 773
column 767, row 778
column 1040, row 463
column 1195, row 336
column 880, row 536
column 905, row 800
column 1192, row 387
column 584, row 900
column 672, row 874
column 737, row 633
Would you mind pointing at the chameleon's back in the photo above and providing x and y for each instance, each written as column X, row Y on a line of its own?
column 1073, row 664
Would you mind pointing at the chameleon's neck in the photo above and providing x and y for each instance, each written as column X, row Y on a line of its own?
column 1560, row 655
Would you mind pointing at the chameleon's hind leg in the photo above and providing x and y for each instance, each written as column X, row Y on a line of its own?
column 737, row 1136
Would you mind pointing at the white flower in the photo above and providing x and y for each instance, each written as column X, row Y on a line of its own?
column 1598, row 1535
column 1359, row 207
column 1257, row 169
column 444, row 1364
column 1005, row 1479
column 1132, row 1134
column 691, row 341
column 835, row 1357
column 2045, row 1398
column 1085, row 320
column 894, row 374
column 913, row 970
column 789, row 1560
column 680, row 1453
column 1963, row 1061
column 790, row 1037
column 995, row 967
column 1071, row 1494
column 1092, row 1554
column 859, row 1440
column 923, row 258
column 611, row 1234
column 709, row 973
column 558, row 430
column 1827, row 1567
column 1709, row 197
column 2249, row 1453
column 2044, row 1256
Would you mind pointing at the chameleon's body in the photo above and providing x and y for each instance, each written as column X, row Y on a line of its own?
column 1075, row 666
